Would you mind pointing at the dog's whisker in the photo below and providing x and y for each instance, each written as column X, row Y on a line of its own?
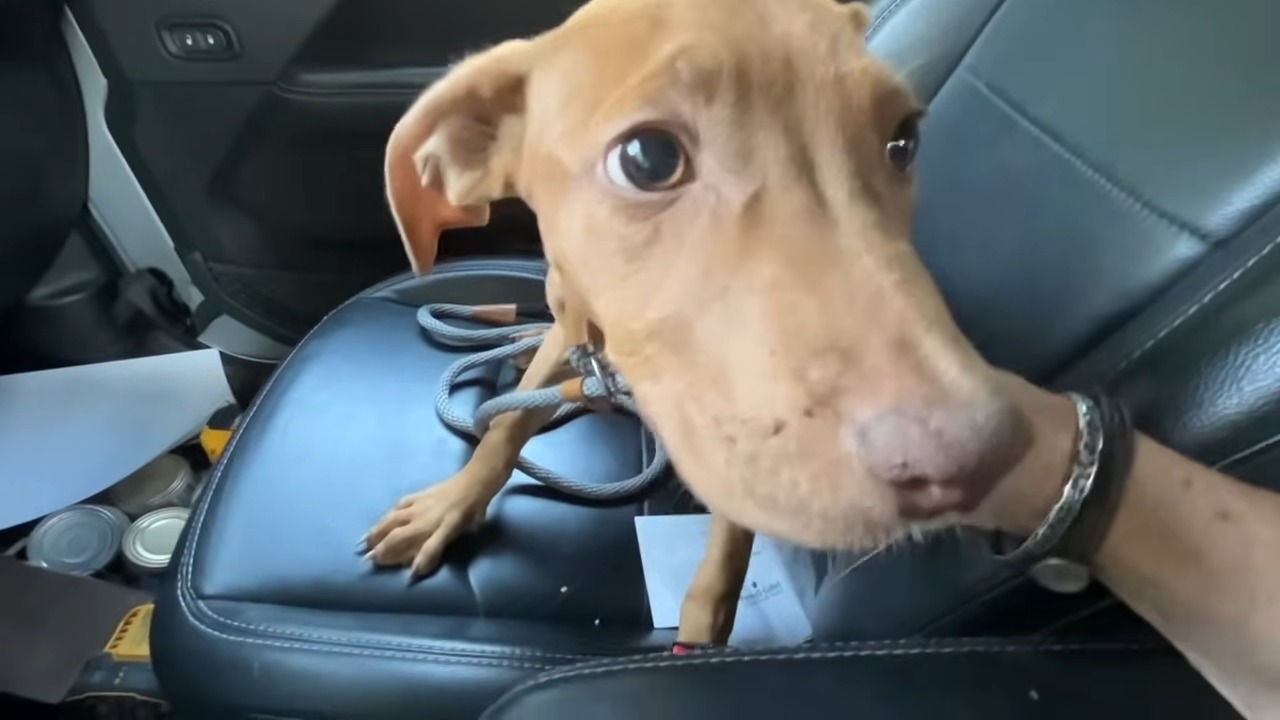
column 853, row 565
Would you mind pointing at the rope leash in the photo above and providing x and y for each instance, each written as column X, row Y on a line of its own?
column 599, row 385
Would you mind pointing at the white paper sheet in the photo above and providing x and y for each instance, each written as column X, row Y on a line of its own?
column 770, row 611
column 70, row 433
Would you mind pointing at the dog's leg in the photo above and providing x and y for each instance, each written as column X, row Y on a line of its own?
column 416, row 531
column 522, row 360
column 710, row 605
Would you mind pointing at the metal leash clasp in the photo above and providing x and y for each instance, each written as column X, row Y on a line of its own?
column 594, row 365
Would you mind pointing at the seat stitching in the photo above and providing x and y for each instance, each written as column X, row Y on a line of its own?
column 1194, row 308
column 882, row 17
column 1131, row 198
column 186, row 572
column 346, row 650
column 724, row 658
column 1247, row 455
column 939, row 645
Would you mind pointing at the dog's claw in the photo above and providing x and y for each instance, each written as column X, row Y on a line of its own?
column 417, row 574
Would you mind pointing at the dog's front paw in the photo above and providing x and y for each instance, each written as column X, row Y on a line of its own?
column 419, row 528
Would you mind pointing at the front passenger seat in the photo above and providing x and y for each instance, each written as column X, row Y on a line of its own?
column 1098, row 201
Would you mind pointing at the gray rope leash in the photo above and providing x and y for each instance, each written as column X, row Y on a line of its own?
column 505, row 344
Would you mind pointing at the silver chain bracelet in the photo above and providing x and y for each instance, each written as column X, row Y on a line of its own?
column 1084, row 468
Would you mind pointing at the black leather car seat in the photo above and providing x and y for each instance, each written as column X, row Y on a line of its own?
column 44, row 172
column 915, row 680
column 1098, row 202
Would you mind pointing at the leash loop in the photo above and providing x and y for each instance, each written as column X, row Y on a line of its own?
column 600, row 388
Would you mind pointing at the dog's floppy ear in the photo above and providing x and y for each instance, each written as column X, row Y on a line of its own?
column 457, row 149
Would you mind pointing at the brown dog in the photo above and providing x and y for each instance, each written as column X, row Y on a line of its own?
column 723, row 189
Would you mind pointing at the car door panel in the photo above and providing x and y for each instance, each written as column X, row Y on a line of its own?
column 265, row 167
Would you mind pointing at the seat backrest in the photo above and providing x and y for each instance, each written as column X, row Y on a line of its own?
column 44, row 170
column 1091, row 173
column 1098, row 201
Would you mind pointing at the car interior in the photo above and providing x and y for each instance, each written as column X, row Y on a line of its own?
column 1098, row 199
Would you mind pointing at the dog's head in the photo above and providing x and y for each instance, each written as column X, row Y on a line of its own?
column 723, row 188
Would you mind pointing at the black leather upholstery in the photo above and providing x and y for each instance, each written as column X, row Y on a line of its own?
column 271, row 596
column 991, row 680
column 1098, row 203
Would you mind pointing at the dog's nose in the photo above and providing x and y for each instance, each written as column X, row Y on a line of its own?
column 942, row 459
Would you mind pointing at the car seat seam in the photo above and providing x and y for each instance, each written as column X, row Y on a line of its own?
column 336, row 645
column 883, row 17
column 1195, row 308
column 729, row 657
column 1134, row 200
column 1249, row 455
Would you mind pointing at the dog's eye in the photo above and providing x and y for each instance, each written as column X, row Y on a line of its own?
column 649, row 160
column 901, row 150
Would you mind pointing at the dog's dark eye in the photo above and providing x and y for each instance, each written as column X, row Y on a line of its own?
column 901, row 150
column 649, row 160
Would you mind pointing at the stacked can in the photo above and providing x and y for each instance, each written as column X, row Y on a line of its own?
column 157, row 495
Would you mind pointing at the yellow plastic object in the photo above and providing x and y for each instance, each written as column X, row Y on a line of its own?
column 131, row 641
column 218, row 430
column 214, row 441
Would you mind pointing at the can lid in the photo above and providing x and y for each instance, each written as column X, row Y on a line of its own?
column 153, row 485
column 80, row 539
column 150, row 541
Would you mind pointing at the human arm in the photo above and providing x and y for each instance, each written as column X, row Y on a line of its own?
column 1186, row 549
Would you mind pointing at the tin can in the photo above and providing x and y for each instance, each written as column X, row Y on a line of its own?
column 202, row 482
column 149, row 542
column 77, row 540
column 167, row 481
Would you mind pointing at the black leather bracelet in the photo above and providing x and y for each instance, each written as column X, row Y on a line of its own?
column 1083, row 538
